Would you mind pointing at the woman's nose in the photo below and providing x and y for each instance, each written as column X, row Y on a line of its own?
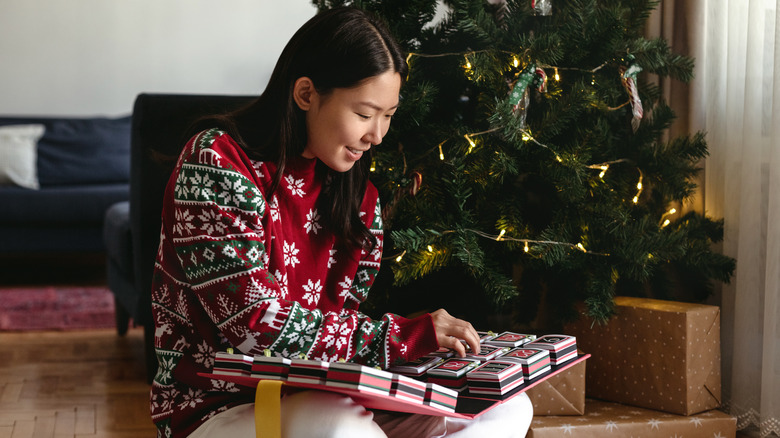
column 375, row 134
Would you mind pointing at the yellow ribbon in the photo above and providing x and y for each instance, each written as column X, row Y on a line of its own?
column 268, row 410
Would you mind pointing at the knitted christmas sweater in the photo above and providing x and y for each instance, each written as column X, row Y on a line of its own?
column 237, row 269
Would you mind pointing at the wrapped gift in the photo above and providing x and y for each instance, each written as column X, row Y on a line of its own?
column 308, row 371
column 270, row 367
column 360, row 377
column 561, row 394
column 533, row 360
column 407, row 388
column 440, row 397
column 417, row 367
column 510, row 339
column 486, row 336
column 495, row 377
column 562, row 348
column 229, row 364
column 606, row 419
column 487, row 352
column 655, row 354
column 452, row 372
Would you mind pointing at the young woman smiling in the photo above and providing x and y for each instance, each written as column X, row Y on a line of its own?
column 272, row 237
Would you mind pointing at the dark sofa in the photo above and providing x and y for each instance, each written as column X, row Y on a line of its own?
column 83, row 167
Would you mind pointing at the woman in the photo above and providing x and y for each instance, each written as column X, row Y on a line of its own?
column 272, row 236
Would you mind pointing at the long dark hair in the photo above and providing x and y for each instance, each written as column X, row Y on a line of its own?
column 337, row 48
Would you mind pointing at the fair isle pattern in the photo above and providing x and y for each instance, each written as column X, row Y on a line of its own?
column 236, row 269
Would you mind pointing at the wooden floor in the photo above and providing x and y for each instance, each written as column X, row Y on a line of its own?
column 73, row 384
column 77, row 384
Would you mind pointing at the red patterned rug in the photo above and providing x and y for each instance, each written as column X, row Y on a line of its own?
column 56, row 308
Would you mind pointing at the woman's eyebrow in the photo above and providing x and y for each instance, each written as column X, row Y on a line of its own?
column 374, row 106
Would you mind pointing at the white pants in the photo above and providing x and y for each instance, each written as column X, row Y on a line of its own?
column 322, row 414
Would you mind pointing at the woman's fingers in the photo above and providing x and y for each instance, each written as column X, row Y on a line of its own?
column 450, row 331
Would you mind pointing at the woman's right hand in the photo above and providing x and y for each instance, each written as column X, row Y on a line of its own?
column 450, row 331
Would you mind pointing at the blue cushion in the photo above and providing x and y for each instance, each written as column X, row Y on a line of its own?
column 81, row 150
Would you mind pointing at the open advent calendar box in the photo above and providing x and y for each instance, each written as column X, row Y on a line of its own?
column 438, row 384
column 660, row 355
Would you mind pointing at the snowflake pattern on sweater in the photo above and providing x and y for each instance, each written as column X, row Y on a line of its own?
column 235, row 269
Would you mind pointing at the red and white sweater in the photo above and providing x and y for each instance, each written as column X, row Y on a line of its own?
column 236, row 269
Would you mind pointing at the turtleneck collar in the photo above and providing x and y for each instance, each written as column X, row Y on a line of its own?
column 301, row 166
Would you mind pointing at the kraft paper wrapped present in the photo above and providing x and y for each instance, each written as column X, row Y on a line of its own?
column 613, row 420
column 562, row 394
column 660, row 355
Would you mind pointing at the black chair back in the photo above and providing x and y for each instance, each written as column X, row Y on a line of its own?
column 159, row 130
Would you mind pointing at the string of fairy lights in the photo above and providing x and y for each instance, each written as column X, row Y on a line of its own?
column 527, row 137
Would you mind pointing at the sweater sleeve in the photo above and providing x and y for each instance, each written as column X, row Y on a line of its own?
column 381, row 342
column 217, row 237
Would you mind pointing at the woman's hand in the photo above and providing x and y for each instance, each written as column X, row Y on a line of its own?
column 450, row 331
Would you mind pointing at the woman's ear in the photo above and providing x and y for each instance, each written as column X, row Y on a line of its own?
column 303, row 93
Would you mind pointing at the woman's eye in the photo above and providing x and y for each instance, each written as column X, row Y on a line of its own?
column 363, row 116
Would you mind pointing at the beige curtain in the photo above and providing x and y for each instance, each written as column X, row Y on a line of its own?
column 733, row 99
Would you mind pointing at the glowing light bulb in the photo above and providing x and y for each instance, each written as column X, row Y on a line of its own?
column 639, row 185
column 666, row 222
column 441, row 152
column 557, row 76
column 635, row 200
column 581, row 247
column 373, row 166
column 501, row 234
column 672, row 210
column 525, row 248
column 526, row 136
column 467, row 65
column 603, row 171
column 471, row 142
column 430, row 248
column 515, row 61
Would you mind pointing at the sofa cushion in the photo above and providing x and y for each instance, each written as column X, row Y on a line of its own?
column 81, row 150
column 62, row 205
column 18, row 155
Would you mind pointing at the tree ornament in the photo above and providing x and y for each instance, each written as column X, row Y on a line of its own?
column 542, row 7
column 525, row 79
column 519, row 98
column 628, row 76
column 540, row 80
column 416, row 183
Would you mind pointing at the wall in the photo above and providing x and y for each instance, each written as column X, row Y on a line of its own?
column 92, row 57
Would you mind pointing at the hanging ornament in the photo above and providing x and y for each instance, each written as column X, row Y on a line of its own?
column 540, row 80
column 525, row 79
column 519, row 97
column 416, row 183
column 542, row 7
column 628, row 75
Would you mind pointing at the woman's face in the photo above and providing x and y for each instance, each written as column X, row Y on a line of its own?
column 344, row 124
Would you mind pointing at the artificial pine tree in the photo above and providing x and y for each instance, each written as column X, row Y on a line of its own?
column 527, row 162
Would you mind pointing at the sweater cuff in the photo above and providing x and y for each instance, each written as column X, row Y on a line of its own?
column 419, row 336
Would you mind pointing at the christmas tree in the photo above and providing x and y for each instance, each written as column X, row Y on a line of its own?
column 528, row 163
